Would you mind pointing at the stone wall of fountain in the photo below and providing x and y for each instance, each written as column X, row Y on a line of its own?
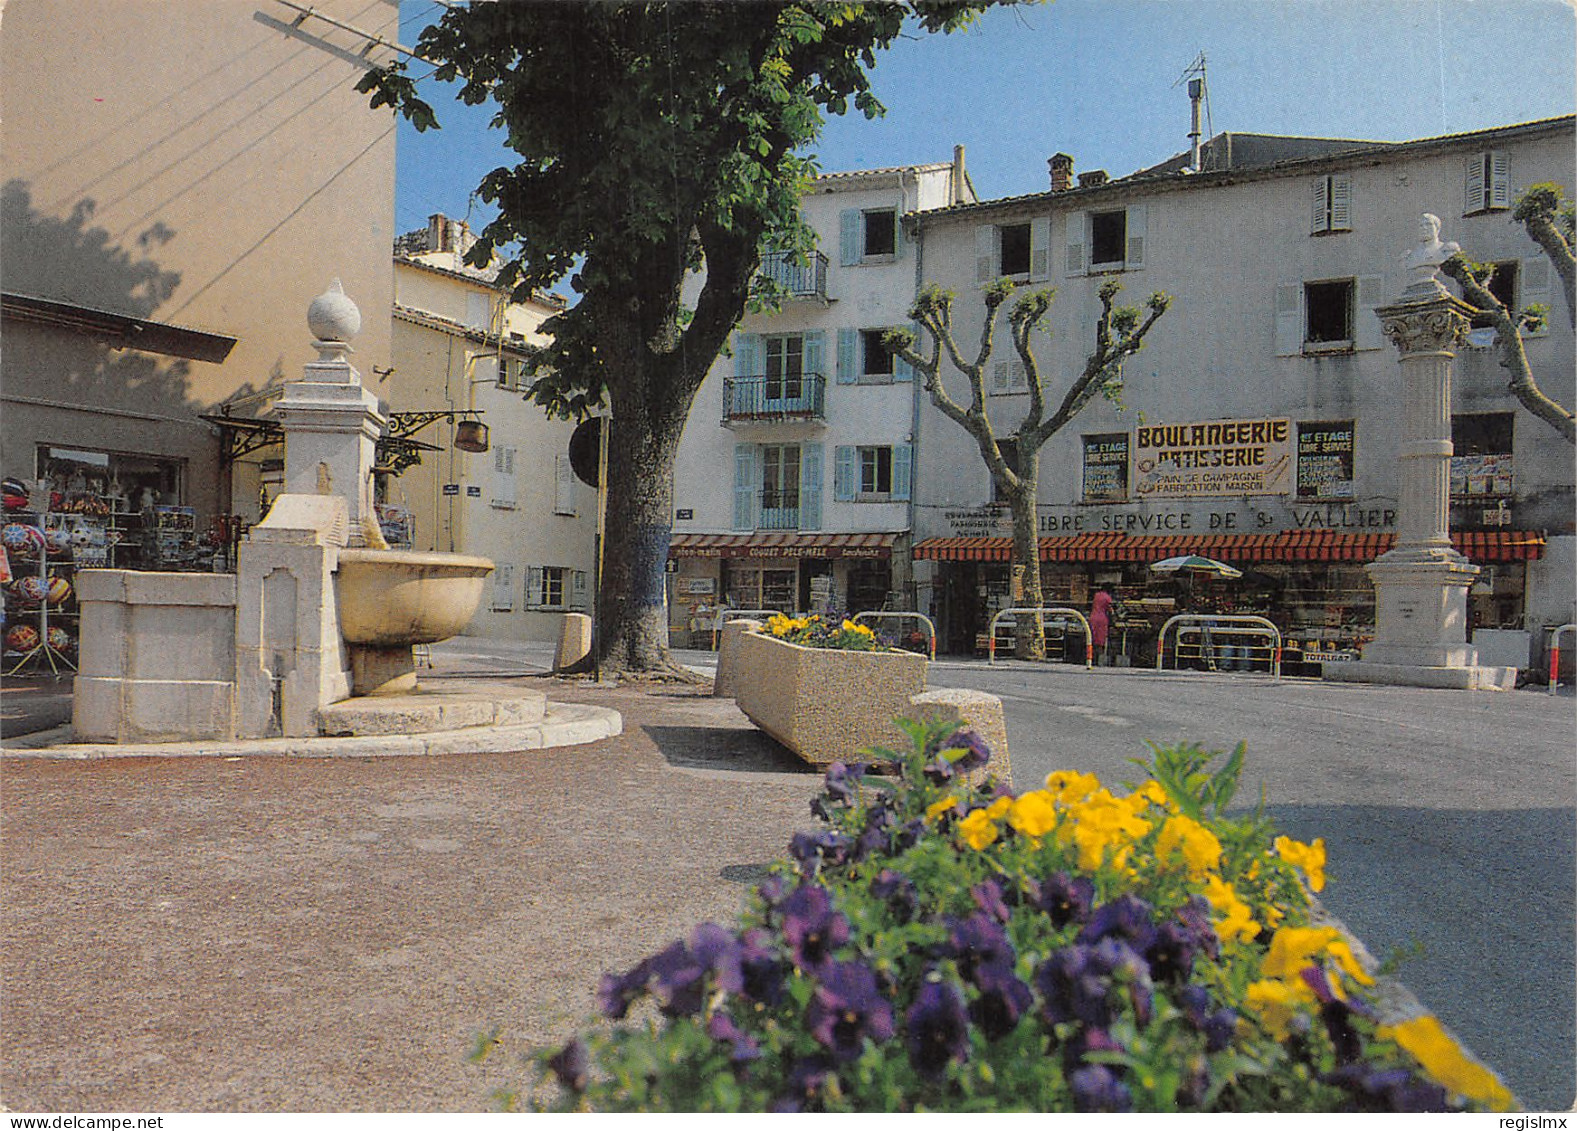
column 319, row 609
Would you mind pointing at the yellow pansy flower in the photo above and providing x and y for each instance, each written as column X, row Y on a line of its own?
column 1200, row 849
column 1102, row 822
column 978, row 829
column 1150, row 793
column 937, row 808
column 1307, row 858
column 1444, row 1060
column 1068, row 786
column 1294, row 948
column 1275, row 1003
column 1033, row 814
column 1236, row 921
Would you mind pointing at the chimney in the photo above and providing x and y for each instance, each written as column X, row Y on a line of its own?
column 958, row 174
column 1092, row 178
column 1061, row 172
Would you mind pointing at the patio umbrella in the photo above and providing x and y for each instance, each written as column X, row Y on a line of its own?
column 1193, row 563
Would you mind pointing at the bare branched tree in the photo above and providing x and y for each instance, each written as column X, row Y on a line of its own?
column 1119, row 333
column 1548, row 217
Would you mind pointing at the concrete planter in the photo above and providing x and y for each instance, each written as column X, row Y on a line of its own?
column 825, row 704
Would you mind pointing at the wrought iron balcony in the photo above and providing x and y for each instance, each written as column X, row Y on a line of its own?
column 800, row 280
column 777, row 510
column 770, row 400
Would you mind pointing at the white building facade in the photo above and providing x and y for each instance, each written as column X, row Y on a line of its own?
column 794, row 480
column 1259, row 424
column 459, row 356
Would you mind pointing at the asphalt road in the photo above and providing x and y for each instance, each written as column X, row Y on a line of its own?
column 1448, row 818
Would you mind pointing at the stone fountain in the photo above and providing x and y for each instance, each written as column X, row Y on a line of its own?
column 319, row 611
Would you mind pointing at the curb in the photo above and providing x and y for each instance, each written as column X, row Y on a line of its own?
column 566, row 724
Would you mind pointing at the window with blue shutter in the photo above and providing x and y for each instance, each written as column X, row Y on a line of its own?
column 903, row 470
column 810, row 487
column 848, row 359
column 851, row 233
column 744, row 486
column 844, row 470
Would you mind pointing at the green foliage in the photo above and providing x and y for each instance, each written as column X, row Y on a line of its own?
column 943, row 944
column 1547, row 201
column 652, row 139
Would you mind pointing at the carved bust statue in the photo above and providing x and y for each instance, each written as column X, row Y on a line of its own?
column 1430, row 252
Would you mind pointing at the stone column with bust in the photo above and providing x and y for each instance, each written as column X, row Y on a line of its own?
column 1421, row 583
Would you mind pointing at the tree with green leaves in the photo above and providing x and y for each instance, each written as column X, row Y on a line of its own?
column 1549, row 219
column 661, row 146
column 1119, row 333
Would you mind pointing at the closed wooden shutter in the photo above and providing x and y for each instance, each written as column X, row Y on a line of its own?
column 1341, row 203
column 744, row 487
column 1138, row 221
column 903, row 470
column 985, row 253
column 1289, row 320
column 1075, row 239
column 563, row 486
column 851, row 236
column 1040, row 248
column 503, row 478
column 504, row 587
column 844, row 472
column 1368, row 332
column 810, row 486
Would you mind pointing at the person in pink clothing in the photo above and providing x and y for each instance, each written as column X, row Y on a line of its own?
column 1101, row 622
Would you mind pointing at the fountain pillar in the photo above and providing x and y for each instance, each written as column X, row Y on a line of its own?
column 1421, row 583
column 331, row 422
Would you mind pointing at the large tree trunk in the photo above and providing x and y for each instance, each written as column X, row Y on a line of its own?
column 1029, row 637
column 632, row 616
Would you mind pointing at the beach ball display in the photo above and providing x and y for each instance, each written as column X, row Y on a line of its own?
column 21, row 638
column 57, row 590
column 60, row 640
column 57, row 540
column 14, row 493
column 32, row 588
column 22, row 538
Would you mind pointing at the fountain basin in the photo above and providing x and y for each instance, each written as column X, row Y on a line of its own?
column 390, row 600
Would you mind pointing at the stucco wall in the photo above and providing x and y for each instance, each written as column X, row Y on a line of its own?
column 1221, row 249
column 205, row 169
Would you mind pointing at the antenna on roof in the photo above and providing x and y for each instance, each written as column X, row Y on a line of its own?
column 1198, row 94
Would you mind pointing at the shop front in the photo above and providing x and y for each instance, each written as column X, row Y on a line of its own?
column 1309, row 582
column 791, row 573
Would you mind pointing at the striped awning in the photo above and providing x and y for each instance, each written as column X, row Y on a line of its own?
column 785, row 544
column 1283, row 546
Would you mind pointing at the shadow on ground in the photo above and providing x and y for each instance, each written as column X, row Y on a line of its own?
column 1514, row 891
column 725, row 749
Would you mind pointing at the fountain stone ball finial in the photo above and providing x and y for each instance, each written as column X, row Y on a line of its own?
column 333, row 317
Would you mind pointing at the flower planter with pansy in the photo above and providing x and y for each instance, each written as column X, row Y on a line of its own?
column 823, row 688
column 945, row 946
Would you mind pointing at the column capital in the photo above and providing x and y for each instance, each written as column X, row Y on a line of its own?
column 1426, row 325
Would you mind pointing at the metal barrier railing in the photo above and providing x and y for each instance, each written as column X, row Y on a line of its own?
column 1204, row 645
column 1055, row 614
column 929, row 625
column 1555, row 654
column 738, row 614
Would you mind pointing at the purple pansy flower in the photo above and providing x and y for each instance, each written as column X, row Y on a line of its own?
column 571, row 1065
column 842, row 782
column 806, row 1080
column 1097, row 1088
column 1002, row 1001
column 977, row 941
column 936, row 1029
column 678, row 981
column 722, row 1027
column 616, row 992
column 1389, row 1090
column 976, row 752
column 1195, row 917
column 1127, row 917
column 760, row 968
column 898, row 892
column 989, row 897
column 1065, row 899
column 1217, row 1026
column 1171, row 952
column 1077, row 983
column 846, row 1008
column 812, row 928
column 812, row 850
column 717, row 950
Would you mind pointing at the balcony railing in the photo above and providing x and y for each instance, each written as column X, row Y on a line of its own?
column 801, row 280
column 777, row 510
column 765, row 400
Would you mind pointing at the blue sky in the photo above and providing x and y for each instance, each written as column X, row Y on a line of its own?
column 1098, row 79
